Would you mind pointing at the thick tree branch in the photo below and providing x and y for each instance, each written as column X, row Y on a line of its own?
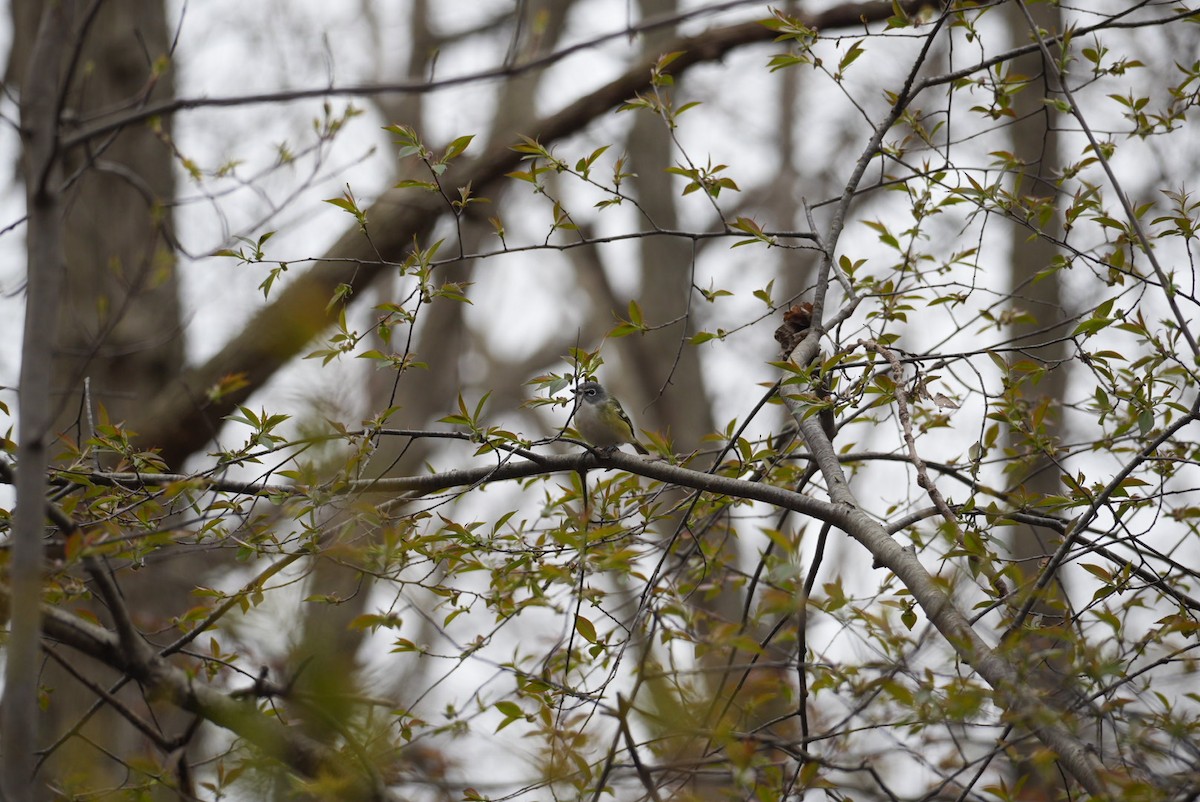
column 179, row 421
column 289, row 746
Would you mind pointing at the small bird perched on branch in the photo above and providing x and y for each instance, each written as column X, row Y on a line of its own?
column 601, row 420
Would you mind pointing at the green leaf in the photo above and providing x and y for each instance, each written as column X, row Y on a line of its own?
column 635, row 313
column 851, row 56
column 456, row 147
column 343, row 203
column 1091, row 326
column 585, row 628
column 340, row 293
column 764, row 294
column 510, row 709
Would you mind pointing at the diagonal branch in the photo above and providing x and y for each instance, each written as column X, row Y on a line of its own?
column 179, row 421
column 288, row 745
column 111, row 699
column 1131, row 215
column 1011, row 694
column 997, row 671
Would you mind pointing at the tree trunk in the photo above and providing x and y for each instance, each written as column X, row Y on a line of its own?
column 120, row 322
column 1039, row 332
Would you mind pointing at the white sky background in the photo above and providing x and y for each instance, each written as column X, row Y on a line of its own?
column 230, row 48
column 12, row 242
column 219, row 294
column 258, row 47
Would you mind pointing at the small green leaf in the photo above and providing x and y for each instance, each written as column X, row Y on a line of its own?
column 456, row 147
column 510, row 709
column 414, row 184
column 1091, row 326
column 585, row 628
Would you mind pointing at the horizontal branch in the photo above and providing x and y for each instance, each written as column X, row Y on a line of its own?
column 486, row 474
column 124, row 118
column 307, row 756
column 535, row 465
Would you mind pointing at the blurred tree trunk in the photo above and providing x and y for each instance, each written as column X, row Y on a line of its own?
column 1045, row 643
column 325, row 656
column 684, row 410
column 784, row 195
column 666, row 279
column 119, row 325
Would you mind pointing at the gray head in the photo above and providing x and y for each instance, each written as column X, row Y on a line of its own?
column 592, row 393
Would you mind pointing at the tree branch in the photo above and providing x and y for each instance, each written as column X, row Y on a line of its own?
column 179, row 422
column 288, row 745
column 843, row 512
column 841, row 16
column 1132, row 217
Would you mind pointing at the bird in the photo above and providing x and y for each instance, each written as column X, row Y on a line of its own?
column 601, row 420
